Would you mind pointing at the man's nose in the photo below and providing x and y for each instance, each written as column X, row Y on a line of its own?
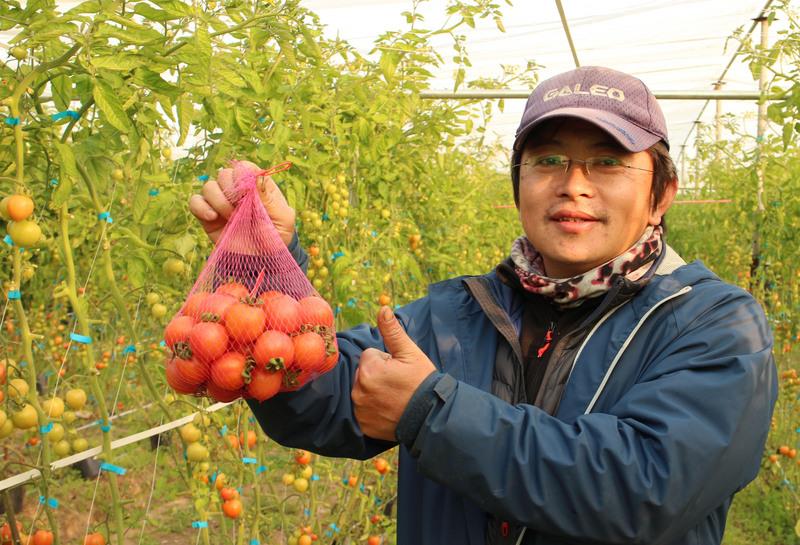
column 575, row 180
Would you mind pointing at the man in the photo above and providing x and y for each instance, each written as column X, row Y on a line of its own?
column 593, row 388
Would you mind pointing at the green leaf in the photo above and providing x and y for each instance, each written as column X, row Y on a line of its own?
column 153, row 14
column 460, row 74
column 156, row 178
column 185, row 115
column 155, row 82
column 68, row 174
column 133, row 36
column 499, row 22
column 184, row 244
column 62, row 92
column 122, row 62
column 106, row 100
column 388, row 65
column 276, row 110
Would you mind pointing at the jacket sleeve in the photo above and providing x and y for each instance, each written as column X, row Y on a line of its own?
column 675, row 446
column 319, row 416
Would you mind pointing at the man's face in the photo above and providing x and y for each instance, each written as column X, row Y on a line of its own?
column 578, row 222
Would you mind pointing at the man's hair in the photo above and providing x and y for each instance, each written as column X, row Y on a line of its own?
column 664, row 172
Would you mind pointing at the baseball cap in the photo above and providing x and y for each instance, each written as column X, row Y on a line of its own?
column 617, row 103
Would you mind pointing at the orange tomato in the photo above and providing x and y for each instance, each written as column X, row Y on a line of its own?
column 20, row 207
column 232, row 508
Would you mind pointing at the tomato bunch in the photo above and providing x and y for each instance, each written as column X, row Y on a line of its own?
column 230, row 344
column 16, row 209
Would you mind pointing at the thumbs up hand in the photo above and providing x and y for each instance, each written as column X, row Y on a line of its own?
column 384, row 383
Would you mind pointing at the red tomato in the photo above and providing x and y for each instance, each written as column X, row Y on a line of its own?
column 227, row 372
column 192, row 371
column 208, row 341
column 283, row 313
column 176, row 380
column 234, row 289
column 95, row 538
column 273, row 349
column 309, row 351
column 302, row 457
column 315, row 310
column 267, row 295
column 381, row 465
column 192, row 305
column 220, row 394
column 332, row 357
column 264, row 384
column 251, row 438
column 43, row 537
column 374, row 540
column 177, row 331
column 213, row 307
column 244, row 323
column 232, row 508
column 228, row 493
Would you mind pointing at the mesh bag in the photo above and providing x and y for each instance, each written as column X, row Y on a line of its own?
column 252, row 324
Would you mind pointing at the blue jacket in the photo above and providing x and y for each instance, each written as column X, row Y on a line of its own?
column 663, row 419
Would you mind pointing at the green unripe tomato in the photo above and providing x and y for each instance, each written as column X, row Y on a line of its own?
column 196, row 452
column 117, row 174
column 4, row 208
column 24, row 234
column 56, row 434
column 19, row 53
column 158, row 310
column 80, row 444
column 174, row 266
column 62, row 448
column 6, row 429
column 152, row 298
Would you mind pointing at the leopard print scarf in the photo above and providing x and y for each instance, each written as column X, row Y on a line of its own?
column 633, row 264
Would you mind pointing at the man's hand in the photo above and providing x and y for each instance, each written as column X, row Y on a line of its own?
column 213, row 207
column 384, row 383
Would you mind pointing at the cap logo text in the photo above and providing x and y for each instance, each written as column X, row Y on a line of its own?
column 595, row 90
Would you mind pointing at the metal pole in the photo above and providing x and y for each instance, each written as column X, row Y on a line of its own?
column 567, row 32
column 762, row 113
column 718, row 124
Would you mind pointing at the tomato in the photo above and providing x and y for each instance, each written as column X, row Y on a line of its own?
column 244, row 323
column 232, row 508
column 304, row 539
column 19, row 207
column 43, row 537
column 75, row 398
column 251, row 438
column 221, row 394
column 196, row 452
column 3, row 371
column 234, row 289
column 283, row 313
column 61, row 448
column 233, row 441
column 25, row 418
column 273, row 350
column 219, row 482
column 95, row 538
column 176, row 380
column 374, row 540
column 332, row 358
column 158, row 310
column 19, row 53
column 3, row 418
column 118, row 174
column 56, row 433
column 192, row 371
column 192, row 305
column 17, row 388
column 5, row 532
column 302, row 457
column 4, row 209
column 287, row 479
column 264, row 384
column 190, row 433
column 381, row 465
column 300, row 484
column 80, row 444
column 174, row 266
column 213, row 307
column 177, row 331
column 53, row 407
column 24, row 233
column 208, row 341
column 227, row 372
column 315, row 310
column 6, row 429
column 228, row 493
column 309, row 351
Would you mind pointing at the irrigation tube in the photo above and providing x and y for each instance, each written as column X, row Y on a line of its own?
column 21, row 478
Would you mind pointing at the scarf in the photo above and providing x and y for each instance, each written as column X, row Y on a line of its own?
column 633, row 264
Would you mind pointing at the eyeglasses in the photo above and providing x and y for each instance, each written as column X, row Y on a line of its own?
column 596, row 168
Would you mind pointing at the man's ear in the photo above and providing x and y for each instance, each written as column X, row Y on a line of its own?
column 658, row 211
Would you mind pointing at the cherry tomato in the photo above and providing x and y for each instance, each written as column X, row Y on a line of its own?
column 208, row 341
column 222, row 395
column 178, row 330
column 283, row 313
column 374, row 540
column 25, row 418
column 273, row 349
column 43, row 537
column 75, row 398
column 196, row 452
column 381, row 465
column 227, row 372
column 244, row 323
column 176, row 380
column 232, row 508
column 264, row 384
column 315, row 310
column 192, row 371
column 19, row 207
column 234, row 289
column 302, row 457
column 309, row 351
column 95, row 538
column 228, row 493
column 24, row 233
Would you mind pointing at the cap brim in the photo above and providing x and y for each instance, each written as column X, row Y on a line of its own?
column 631, row 137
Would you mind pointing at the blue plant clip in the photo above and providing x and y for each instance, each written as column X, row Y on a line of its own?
column 351, row 302
column 106, row 428
column 54, row 182
column 254, row 542
column 52, row 502
column 337, row 255
column 153, row 192
column 105, row 216
column 200, row 524
column 249, row 461
column 203, row 177
column 80, row 338
column 7, row 240
column 374, row 233
column 105, row 466
column 12, row 121
column 315, row 477
column 307, row 512
column 14, row 294
column 261, row 469
column 46, row 428
column 128, row 349
column 66, row 113
column 337, row 310
column 326, row 217
column 224, row 429
column 162, row 344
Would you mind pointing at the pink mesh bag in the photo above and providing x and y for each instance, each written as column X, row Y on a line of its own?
column 252, row 324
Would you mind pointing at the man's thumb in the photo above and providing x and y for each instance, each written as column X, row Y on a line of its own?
column 397, row 341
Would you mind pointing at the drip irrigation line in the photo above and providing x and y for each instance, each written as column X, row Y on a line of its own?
column 567, row 32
